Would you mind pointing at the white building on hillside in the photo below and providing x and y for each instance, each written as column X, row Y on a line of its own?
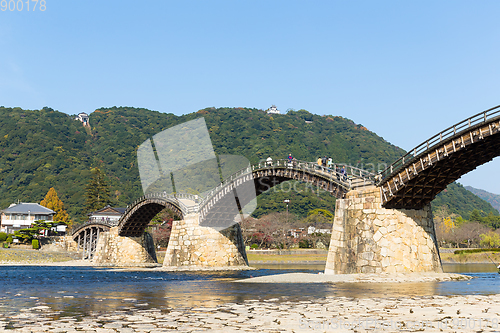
column 84, row 118
column 273, row 110
column 22, row 215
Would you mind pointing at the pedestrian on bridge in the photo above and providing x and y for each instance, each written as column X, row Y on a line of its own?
column 269, row 161
column 329, row 164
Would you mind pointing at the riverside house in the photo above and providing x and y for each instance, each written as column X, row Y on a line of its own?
column 108, row 214
column 22, row 215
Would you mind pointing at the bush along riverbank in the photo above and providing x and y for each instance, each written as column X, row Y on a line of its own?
column 480, row 256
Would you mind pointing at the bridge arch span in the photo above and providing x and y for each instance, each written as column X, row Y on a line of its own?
column 138, row 215
column 223, row 203
column 415, row 179
column 87, row 235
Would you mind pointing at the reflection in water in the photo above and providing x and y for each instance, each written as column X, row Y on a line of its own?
column 470, row 268
column 82, row 290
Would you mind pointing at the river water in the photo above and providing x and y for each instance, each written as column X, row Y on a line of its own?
column 78, row 291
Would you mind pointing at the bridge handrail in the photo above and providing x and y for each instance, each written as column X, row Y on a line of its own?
column 350, row 170
column 448, row 133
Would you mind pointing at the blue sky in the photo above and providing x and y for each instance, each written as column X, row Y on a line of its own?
column 404, row 69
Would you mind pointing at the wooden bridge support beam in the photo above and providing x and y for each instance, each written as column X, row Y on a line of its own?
column 195, row 247
column 367, row 238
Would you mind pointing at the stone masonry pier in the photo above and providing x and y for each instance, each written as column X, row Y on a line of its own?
column 367, row 238
column 194, row 246
column 115, row 250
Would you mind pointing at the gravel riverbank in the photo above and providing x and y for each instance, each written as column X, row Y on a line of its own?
column 330, row 314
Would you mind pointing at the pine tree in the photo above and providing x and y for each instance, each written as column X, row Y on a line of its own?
column 97, row 192
column 53, row 202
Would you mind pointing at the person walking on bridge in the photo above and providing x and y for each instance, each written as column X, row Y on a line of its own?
column 269, row 161
column 319, row 162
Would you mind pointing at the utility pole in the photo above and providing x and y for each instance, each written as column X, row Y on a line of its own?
column 286, row 201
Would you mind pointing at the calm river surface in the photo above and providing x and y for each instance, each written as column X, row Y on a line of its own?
column 81, row 290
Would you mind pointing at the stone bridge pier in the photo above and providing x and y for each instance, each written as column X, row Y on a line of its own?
column 115, row 250
column 367, row 238
column 194, row 246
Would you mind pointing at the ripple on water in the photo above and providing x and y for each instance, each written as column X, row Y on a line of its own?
column 127, row 290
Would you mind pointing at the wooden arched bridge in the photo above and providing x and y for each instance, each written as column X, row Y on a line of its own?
column 415, row 179
column 220, row 206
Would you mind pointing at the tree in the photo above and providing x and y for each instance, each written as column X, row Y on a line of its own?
column 491, row 239
column 97, row 191
column 53, row 202
column 319, row 218
column 161, row 234
column 469, row 233
column 28, row 234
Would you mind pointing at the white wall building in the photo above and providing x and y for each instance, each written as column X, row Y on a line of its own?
column 22, row 215
column 84, row 118
column 273, row 110
column 107, row 214
column 313, row 230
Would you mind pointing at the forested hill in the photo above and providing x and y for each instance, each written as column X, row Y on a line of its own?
column 493, row 199
column 46, row 148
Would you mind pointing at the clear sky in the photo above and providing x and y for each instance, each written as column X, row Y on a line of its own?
column 404, row 69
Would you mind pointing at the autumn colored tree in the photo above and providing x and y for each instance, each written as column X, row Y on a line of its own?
column 53, row 202
column 97, row 191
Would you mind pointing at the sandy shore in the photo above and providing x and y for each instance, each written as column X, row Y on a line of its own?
column 331, row 314
column 356, row 278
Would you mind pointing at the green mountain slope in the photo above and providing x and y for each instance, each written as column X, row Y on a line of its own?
column 45, row 148
column 493, row 199
column 39, row 150
column 462, row 202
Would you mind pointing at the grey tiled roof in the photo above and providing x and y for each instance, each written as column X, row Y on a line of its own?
column 24, row 208
column 109, row 210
